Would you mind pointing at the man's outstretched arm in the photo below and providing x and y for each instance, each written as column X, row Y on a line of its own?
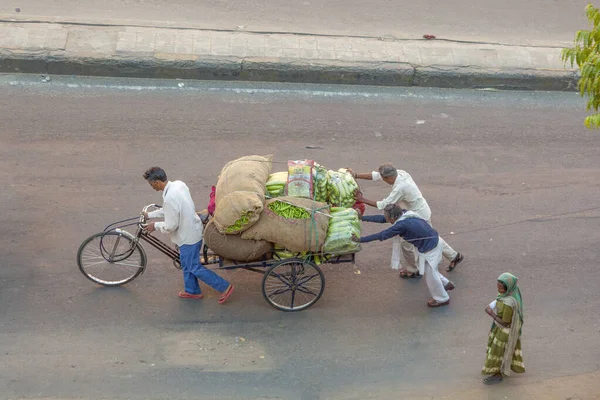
column 394, row 230
column 380, row 219
column 367, row 175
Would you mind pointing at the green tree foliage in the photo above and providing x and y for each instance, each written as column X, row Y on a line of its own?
column 586, row 54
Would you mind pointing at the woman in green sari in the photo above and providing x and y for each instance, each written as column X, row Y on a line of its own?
column 504, row 342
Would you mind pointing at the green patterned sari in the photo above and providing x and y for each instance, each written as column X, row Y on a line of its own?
column 503, row 353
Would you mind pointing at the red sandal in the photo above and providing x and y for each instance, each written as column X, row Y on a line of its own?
column 226, row 294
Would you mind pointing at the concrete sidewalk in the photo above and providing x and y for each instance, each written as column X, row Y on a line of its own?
column 151, row 52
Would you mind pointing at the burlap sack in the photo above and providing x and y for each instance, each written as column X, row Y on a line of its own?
column 293, row 234
column 233, row 247
column 241, row 191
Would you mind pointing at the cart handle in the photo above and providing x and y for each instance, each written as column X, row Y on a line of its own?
column 145, row 210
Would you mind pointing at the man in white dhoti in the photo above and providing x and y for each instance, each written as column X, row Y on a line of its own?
column 407, row 194
column 413, row 229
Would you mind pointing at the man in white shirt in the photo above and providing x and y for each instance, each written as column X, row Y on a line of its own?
column 407, row 194
column 185, row 229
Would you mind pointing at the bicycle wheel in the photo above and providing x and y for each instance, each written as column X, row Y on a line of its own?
column 111, row 258
column 293, row 285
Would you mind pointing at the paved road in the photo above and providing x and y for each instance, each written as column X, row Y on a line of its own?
column 537, row 22
column 73, row 151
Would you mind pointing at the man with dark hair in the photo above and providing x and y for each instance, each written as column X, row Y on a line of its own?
column 409, row 226
column 185, row 229
column 405, row 192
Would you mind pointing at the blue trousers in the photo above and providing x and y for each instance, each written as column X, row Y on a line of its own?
column 189, row 255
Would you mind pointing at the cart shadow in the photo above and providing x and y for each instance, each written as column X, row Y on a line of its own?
column 113, row 293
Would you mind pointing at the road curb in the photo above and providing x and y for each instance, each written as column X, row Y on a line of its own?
column 506, row 79
column 287, row 70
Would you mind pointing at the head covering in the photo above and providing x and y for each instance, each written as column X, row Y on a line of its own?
column 512, row 294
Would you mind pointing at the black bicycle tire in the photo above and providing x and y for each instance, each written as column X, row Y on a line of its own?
column 139, row 248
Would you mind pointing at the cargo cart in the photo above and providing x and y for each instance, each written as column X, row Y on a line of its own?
column 116, row 256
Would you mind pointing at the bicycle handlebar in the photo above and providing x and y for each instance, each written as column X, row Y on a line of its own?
column 145, row 210
column 129, row 221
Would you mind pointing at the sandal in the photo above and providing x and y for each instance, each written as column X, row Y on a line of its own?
column 457, row 260
column 404, row 274
column 226, row 294
column 490, row 380
column 434, row 303
column 185, row 295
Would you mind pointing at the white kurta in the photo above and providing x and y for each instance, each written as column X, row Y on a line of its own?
column 405, row 192
column 181, row 222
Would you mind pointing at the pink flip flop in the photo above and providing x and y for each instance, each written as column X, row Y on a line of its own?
column 226, row 295
column 186, row 295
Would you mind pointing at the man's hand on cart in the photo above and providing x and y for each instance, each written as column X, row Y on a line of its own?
column 351, row 172
column 359, row 196
column 355, row 238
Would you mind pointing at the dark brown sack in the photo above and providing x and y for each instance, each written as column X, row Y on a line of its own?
column 233, row 247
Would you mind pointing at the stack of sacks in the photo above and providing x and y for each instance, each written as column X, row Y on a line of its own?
column 252, row 213
column 239, row 200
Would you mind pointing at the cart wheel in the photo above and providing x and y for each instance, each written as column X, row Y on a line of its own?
column 293, row 285
column 111, row 258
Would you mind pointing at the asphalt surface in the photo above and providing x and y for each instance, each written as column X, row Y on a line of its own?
column 534, row 22
column 508, row 173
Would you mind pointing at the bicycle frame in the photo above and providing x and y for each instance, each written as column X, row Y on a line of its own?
column 159, row 245
column 143, row 234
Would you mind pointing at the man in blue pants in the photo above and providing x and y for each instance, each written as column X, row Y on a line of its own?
column 185, row 229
